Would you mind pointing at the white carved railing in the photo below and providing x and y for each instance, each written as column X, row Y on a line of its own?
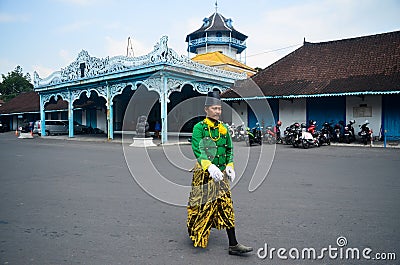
column 216, row 40
column 94, row 67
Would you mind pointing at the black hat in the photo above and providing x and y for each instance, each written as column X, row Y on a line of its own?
column 213, row 98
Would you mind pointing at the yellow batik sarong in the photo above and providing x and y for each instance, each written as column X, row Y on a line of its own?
column 210, row 206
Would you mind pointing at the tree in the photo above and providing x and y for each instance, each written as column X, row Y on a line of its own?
column 14, row 83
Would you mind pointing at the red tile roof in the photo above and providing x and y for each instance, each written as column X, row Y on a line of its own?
column 369, row 63
column 29, row 102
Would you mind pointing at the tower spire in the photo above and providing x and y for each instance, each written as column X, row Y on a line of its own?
column 216, row 6
column 129, row 48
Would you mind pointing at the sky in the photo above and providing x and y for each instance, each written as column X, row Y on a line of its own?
column 47, row 35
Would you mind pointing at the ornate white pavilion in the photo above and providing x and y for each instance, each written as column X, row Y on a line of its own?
column 99, row 90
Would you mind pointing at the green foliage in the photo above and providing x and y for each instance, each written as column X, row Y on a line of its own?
column 14, row 83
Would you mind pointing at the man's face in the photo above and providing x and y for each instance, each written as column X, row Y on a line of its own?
column 213, row 111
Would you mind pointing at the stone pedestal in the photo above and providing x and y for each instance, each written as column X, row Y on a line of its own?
column 25, row 136
column 142, row 142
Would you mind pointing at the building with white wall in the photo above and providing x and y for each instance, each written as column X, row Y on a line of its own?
column 357, row 78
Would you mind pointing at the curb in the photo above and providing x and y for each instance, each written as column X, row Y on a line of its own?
column 367, row 146
column 118, row 141
column 175, row 143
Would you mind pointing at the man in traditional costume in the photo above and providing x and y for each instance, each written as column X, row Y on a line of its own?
column 210, row 202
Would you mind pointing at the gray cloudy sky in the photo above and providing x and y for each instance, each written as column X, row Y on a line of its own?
column 47, row 35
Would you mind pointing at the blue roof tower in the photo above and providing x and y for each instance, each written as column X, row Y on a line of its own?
column 216, row 34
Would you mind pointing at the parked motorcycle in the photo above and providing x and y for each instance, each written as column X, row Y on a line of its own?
column 328, row 126
column 349, row 135
column 297, row 134
column 254, row 135
column 231, row 129
column 338, row 135
column 365, row 133
column 312, row 128
column 269, row 136
column 240, row 133
column 325, row 135
column 290, row 133
column 303, row 137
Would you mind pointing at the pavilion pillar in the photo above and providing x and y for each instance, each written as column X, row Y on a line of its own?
column 110, row 120
column 110, row 115
column 42, row 117
column 164, row 104
column 70, row 115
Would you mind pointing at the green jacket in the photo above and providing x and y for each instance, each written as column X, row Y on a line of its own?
column 211, row 145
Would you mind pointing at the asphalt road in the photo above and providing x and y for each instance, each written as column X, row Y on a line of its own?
column 71, row 202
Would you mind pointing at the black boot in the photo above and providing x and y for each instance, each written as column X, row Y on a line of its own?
column 234, row 247
column 239, row 249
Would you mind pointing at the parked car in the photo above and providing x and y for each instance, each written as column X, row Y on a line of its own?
column 52, row 127
column 95, row 130
column 81, row 129
column 60, row 127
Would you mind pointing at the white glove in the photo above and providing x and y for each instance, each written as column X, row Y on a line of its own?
column 230, row 172
column 215, row 173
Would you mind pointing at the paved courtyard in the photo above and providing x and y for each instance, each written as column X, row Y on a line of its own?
column 76, row 202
